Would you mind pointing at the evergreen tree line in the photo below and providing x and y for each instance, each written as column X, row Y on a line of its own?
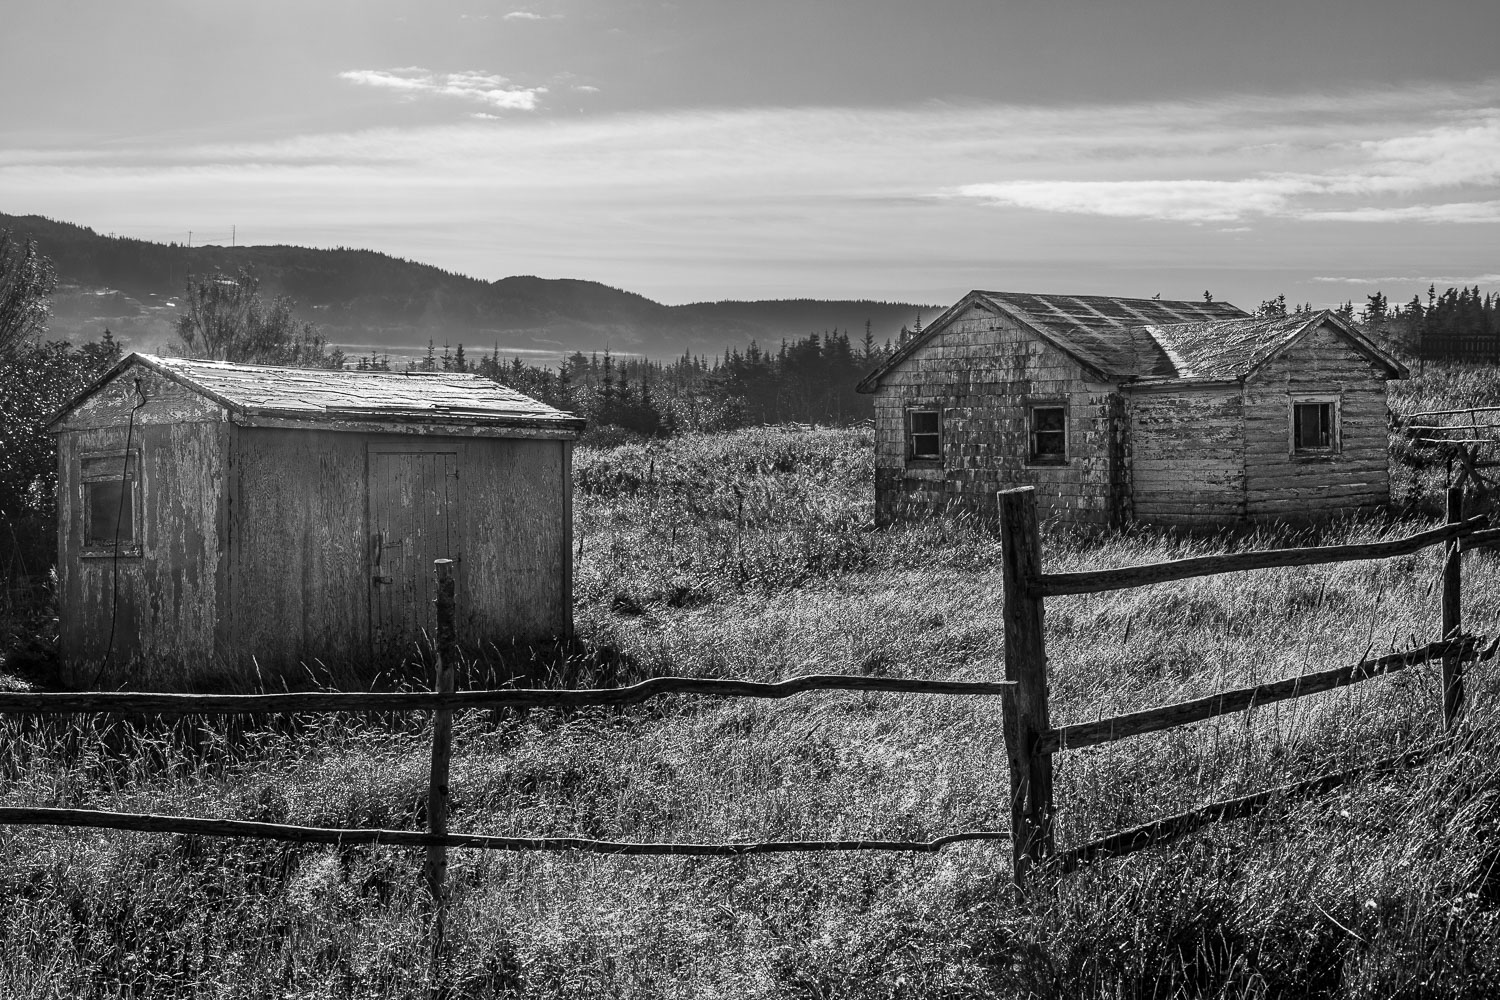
column 808, row 380
column 1461, row 324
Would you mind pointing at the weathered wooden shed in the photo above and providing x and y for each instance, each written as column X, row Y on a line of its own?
column 1118, row 409
column 218, row 518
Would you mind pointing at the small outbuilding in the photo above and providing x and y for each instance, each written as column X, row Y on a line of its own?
column 215, row 519
column 1118, row 409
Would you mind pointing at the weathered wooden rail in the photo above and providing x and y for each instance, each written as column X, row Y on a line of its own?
column 1032, row 740
column 442, row 701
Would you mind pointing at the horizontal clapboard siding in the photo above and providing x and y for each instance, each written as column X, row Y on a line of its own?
column 1187, row 455
column 1281, row 484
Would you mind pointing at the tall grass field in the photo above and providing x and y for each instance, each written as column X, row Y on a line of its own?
column 754, row 555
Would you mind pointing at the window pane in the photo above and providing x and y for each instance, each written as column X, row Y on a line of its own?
column 109, row 505
column 1312, row 426
column 1052, row 443
column 925, row 446
column 926, row 438
column 1048, row 418
column 1049, row 436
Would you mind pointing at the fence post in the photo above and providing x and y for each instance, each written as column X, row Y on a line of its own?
column 1453, row 665
column 442, row 748
column 1026, row 664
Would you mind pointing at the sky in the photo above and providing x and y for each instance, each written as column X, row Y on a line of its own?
column 1321, row 149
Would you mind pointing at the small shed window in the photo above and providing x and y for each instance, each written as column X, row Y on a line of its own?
column 1049, row 433
column 924, row 434
column 1315, row 425
column 111, row 505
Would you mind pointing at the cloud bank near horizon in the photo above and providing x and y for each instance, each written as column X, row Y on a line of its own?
column 910, row 199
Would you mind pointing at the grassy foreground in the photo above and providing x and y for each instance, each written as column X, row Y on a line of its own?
column 752, row 555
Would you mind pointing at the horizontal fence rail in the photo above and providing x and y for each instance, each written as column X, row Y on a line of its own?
column 1170, row 828
column 1096, row 581
column 1449, row 413
column 1087, row 734
column 376, row 701
column 256, row 830
column 1031, row 741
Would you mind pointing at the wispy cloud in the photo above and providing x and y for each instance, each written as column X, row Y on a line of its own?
column 1409, row 279
column 1360, row 179
column 1463, row 212
column 523, row 15
column 822, row 201
column 484, row 88
column 1177, row 200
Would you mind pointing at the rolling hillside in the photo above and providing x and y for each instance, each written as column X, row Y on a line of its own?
column 366, row 300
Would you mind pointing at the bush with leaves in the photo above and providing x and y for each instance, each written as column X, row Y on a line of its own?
column 26, row 282
column 35, row 381
column 225, row 318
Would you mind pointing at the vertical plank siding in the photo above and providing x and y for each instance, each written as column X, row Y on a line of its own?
column 518, row 566
column 300, row 577
column 980, row 371
column 256, row 547
column 165, row 612
column 306, row 558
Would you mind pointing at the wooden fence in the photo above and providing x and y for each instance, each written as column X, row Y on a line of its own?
column 1032, row 740
column 442, row 702
column 1470, row 347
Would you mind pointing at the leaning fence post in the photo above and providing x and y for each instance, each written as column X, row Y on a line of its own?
column 1453, row 664
column 1025, row 664
column 442, row 748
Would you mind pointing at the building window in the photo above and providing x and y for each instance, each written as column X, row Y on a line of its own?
column 924, row 434
column 111, row 505
column 1049, row 433
column 1315, row 425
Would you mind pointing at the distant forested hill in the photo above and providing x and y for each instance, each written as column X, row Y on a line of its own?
column 368, row 300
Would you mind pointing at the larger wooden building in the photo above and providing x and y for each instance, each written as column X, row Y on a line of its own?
column 215, row 518
column 1119, row 409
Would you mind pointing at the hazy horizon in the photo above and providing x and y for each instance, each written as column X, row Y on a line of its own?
column 772, row 151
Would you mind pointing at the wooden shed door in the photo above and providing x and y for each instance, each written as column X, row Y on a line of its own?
column 413, row 520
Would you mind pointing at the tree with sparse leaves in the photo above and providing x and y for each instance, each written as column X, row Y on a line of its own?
column 225, row 318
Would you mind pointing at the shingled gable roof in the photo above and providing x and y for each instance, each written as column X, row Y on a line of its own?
column 1104, row 334
column 1234, row 349
column 1147, row 340
column 322, row 395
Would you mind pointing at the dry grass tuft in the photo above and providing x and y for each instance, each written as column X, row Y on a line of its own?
column 753, row 555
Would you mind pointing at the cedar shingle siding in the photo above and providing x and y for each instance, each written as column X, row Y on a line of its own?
column 1176, row 412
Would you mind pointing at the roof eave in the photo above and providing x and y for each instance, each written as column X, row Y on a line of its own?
column 568, row 422
column 1180, row 382
column 133, row 358
column 1091, row 365
column 871, row 382
column 1361, row 343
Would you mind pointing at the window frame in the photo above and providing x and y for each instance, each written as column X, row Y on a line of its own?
column 912, row 456
column 1335, row 447
column 1034, row 457
column 96, row 468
